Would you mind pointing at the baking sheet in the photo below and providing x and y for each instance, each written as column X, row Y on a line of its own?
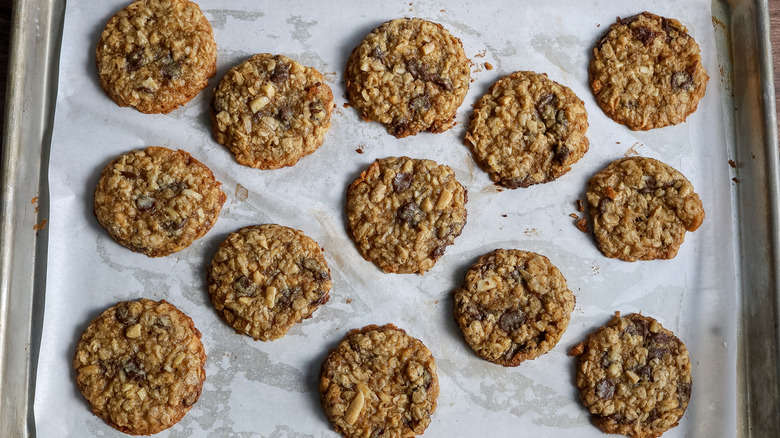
column 270, row 389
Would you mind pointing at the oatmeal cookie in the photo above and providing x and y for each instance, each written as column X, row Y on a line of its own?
column 271, row 111
column 527, row 130
column 157, row 201
column 155, row 55
column 410, row 75
column 513, row 306
column 404, row 212
column 266, row 278
column 634, row 376
column 641, row 209
column 646, row 72
column 379, row 381
column 140, row 365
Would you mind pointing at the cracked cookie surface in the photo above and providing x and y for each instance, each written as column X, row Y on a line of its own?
column 641, row 209
column 140, row 365
column 266, row 278
column 646, row 72
column 157, row 201
column 513, row 306
column 410, row 75
column 379, row 381
column 155, row 55
column 527, row 130
column 634, row 376
column 271, row 111
column 404, row 212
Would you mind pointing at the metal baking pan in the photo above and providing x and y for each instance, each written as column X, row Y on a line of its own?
column 742, row 29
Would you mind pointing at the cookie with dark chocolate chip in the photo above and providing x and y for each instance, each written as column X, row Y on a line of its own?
column 646, row 72
column 157, row 201
column 271, row 111
column 634, row 376
column 140, row 365
column 527, row 129
column 513, row 306
column 410, row 75
column 266, row 278
column 155, row 55
column 404, row 212
column 641, row 209
column 379, row 381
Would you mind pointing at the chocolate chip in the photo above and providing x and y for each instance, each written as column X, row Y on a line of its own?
column 146, row 90
column 163, row 322
column 285, row 114
column 438, row 251
column 244, row 287
column 402, row 181
column 129, row 175
column 410, row 214
column 512, row 351
column 190, row 399
column 637, row 327
column 652, row 415
column 661, row 338
column 125, row 316
column 683, row 392
column 604, row 205
column 284, row 297
column 281, row 72
column 514, row 183
column 474, row 311
column 145, row 203
column 512, row 320
column 562, row 152
column 315, row 267
column 605, row 360
column 322, row 299
column 317, row 110
column 135, row 59
column 420, row 104
column 656, row 353
column 644, row 34
column 645, row 373
column 133, row 371
column 174, row 225
column 400, row 129
column 170, row 68
column 176, row 186
column 417, row 69
column 378, row 54
column 605, row 388
column 682, row 80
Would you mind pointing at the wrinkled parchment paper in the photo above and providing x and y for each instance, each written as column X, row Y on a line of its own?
column 270, row 389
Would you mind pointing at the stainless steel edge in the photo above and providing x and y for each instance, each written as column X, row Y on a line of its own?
column 31, row 94
column 758, row 218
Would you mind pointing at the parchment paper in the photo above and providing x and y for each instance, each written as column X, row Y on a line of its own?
column 270, row 389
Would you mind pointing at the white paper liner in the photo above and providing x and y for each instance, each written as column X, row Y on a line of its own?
column 270, row 389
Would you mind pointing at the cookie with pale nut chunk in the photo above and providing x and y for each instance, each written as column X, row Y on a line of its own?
column 404, row 212
column 379, row 381
column 266, row 278
column 409, row 74
column 140, row 365
column 513, row 306
column 271, row 111
column 156, row 55
column 634, row 376
column 641, row 209
column 157, row 201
